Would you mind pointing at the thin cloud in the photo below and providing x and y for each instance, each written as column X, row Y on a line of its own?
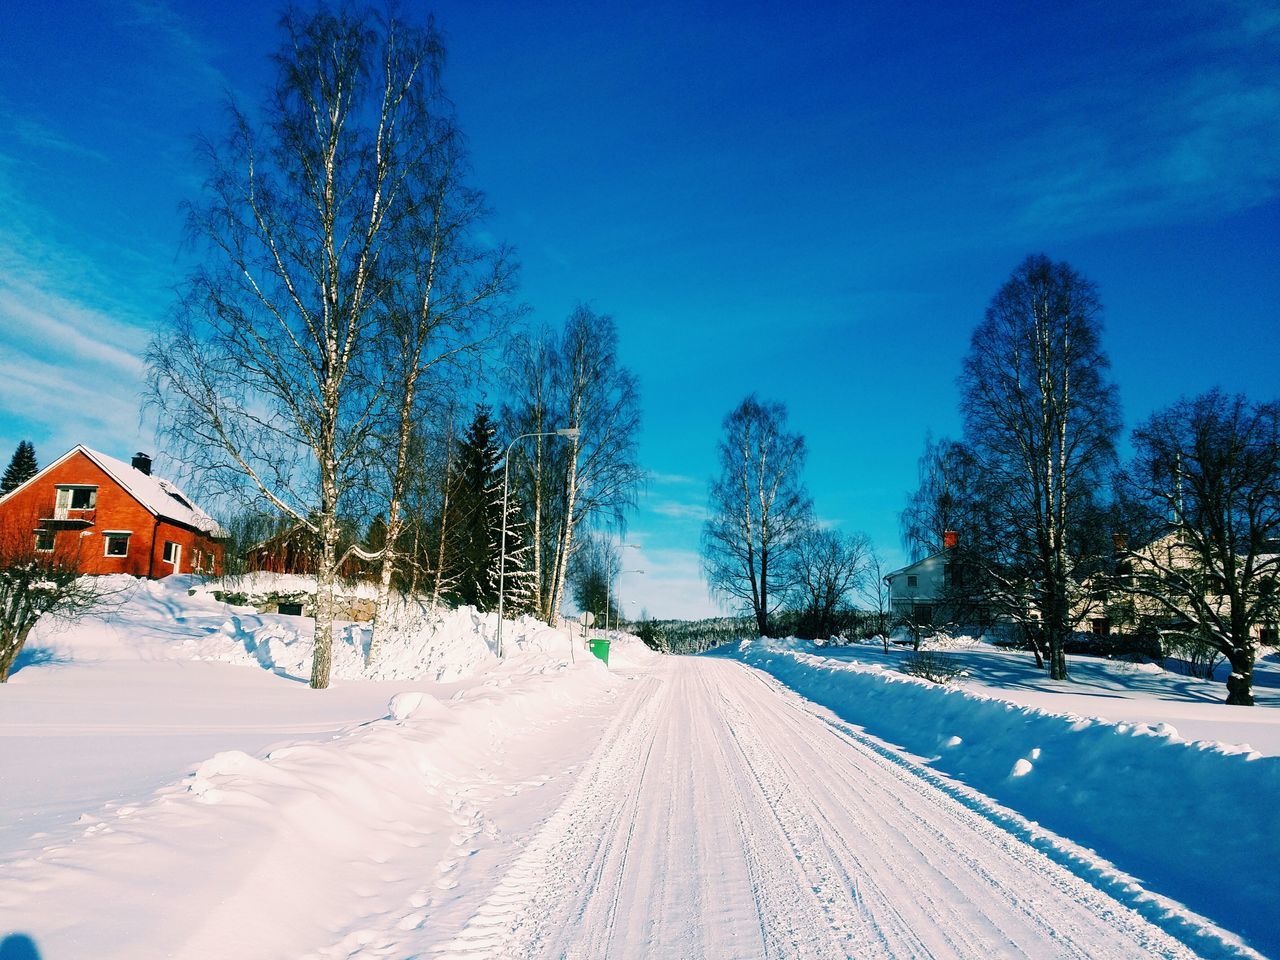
column 1202, row 140
column 679, row 511
column 672, row 586
column 183, row 46
column 672, row 479
column 36, row 134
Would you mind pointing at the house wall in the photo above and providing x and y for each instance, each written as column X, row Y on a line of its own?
column 930, row 584
column 115, row 510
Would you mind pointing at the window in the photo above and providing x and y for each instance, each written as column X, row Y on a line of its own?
column 117, row 543
column 290, row 609
column 76, row 498
column 913, row 580
column 1101, row 626
column 44, row 541
column 922, row 613
column 172, row 553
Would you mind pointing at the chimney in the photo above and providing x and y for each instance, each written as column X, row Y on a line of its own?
column 950, row 539
column 142, row 463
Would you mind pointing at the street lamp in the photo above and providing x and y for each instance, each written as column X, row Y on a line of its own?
column 607, row 585
column 569, row 433
column 608, row 578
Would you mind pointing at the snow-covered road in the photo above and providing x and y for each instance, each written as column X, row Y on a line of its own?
column 724, row 816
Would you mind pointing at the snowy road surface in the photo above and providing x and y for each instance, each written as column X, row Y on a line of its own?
column 723, row 816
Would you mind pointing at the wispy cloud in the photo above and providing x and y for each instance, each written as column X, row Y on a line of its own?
column 70, row 354
column 180, row 45
column 672, row 586
column 671, row 479
column 1200, row 139
column 35, row 134
column 679, row 511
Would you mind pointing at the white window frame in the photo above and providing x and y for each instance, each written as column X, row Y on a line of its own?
column 65, row 491
column 108, row 536
column 172, row 557
column 53, row 540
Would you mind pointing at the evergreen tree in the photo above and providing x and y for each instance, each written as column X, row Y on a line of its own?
column 21, row 468
column 475, row 515
column 520, row 589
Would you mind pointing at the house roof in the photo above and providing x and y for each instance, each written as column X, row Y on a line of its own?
column 159, row 496
column 912, row 566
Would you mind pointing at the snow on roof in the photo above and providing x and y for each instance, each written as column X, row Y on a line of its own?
column 160, row 496
column 911, row 566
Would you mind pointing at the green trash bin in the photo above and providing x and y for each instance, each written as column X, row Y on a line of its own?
column 600, row 648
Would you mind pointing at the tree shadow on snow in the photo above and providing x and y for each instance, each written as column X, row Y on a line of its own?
column 18, row 946
column 34, row 657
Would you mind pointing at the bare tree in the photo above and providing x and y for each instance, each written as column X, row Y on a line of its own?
column 1207, row 470
column 1041, row 417
column 448, row 302
column 595, row 565
column 532, row 364
column 600, row 398
column 875, row 591
column 827, row 566
column 266, row 378
column 946, row 500
column 34, row 583
column 758, row 508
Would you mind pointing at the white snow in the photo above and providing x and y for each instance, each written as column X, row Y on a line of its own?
column 169, row 786
column 1196, row 819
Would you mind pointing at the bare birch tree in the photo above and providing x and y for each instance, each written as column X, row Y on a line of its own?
column 447, row 303
column 266, row 377
column 1041, row 417
column 601, row 399
column 758, row 508
column 1207, row 471
column 532, row 365
column 827, row 568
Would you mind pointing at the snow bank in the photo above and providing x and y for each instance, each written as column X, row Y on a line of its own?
column 1194, row 820
column 180, row 618
column 268, row 856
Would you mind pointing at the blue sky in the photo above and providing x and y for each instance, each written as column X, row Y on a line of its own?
column 812, row 201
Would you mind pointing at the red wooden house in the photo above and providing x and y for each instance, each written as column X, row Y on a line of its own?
column 112, row 517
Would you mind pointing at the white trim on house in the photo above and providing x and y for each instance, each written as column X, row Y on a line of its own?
column 109, row 535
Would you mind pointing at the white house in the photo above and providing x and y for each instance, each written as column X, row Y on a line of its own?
column 916, row 590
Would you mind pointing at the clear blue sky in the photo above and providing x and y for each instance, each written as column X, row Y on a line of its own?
column 813, row 201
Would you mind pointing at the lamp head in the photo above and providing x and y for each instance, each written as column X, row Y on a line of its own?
column 569, row 433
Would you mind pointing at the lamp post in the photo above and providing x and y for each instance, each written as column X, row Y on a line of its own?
column 608, row 584
column 569, row 433
column 609, row 575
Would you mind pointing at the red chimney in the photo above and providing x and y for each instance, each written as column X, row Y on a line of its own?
column 950, row 539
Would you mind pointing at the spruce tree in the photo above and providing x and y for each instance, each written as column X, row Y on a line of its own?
column 475, row 515
column 21, row 468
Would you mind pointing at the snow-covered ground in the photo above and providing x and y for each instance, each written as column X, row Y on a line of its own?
column 1099, row 760
column 169, row 787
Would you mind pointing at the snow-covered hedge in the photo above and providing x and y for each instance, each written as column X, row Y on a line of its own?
column 1196, row 821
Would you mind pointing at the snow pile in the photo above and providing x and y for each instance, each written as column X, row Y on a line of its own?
column 268, row 856
column 1196, row 820
column 179, row 618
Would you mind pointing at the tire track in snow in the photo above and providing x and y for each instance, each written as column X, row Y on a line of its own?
column 725, row 816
